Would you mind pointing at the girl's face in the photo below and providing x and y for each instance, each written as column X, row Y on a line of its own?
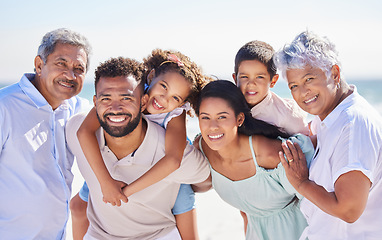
column 167, row 92
column 218, row 123
column 313, row 91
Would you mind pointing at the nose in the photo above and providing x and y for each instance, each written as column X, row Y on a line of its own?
column 115, row 106
column 214, row 125
column 69, row 74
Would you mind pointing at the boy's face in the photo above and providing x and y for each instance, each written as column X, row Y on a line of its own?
column 254, row 81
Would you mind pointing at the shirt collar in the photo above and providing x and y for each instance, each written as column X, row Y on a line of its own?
column 145, row 153
column 348, row 101
column 34, row 95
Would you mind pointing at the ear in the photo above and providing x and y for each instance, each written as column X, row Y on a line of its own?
column 94, row 100
column 144, row 100
column 274, row 80
column 240, row 119
column 234, row 77
column 150, row 76
column 336, row 73
column 38, row 64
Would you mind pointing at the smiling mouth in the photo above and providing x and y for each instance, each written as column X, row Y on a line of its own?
column 66, row 84
column 311, row 100
column 156, row 105
column 251, row 93
column 214, row 137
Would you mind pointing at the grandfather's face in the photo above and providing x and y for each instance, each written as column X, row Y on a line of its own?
column 118, row 105
column 62, row 75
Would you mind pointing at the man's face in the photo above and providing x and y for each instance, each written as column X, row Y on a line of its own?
column 63, row 74
column 118, row 104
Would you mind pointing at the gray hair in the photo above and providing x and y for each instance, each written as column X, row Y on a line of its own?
column 64, row 36
column 307, row 49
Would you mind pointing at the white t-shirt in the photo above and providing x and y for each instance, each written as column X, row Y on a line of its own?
column 148, row 214
column 349, row 138
column 281, row 112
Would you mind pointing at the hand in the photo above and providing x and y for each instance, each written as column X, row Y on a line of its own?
column 295, row 165
column 112, row 192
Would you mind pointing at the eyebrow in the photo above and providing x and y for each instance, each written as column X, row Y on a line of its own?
column 216, row 114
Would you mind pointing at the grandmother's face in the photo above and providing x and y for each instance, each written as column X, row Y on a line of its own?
column 313, row 91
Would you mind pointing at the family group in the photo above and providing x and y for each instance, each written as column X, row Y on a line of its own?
column 289, row 178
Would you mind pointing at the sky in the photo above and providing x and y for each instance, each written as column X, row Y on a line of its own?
column 210, row 32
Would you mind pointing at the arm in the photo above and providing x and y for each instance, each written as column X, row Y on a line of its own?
column 351, row 190
column 175, row 142
column 111, row 189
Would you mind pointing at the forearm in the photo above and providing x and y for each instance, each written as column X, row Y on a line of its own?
column 164, row 167
column 342, row 205
column 93, row 156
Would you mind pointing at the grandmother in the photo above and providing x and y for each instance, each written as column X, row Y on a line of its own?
column 342, row 187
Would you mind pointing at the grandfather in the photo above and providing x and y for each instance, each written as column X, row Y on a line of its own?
column 35, row 166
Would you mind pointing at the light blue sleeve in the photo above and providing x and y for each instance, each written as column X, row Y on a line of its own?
column 307, row 148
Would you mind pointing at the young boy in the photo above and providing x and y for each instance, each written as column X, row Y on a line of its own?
column 255, row 73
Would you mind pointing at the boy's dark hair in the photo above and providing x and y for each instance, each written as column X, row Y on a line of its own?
column 257, row 50
column 116, row 67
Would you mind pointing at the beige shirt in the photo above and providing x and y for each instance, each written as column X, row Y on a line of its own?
column 281, row 112
column 147, row 215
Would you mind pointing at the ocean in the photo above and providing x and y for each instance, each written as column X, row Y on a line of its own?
column 216, row 219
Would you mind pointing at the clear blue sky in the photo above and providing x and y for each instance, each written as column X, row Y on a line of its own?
column 209, row 31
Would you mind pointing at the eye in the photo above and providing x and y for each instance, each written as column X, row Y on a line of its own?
column 309, row 79
column 222, row 117
column 79, row 70
column 126, row 98
column 164, row 86
column 205, row 118
column 176, row 98
column 243, row 77
column 62, row 64
column 291, row 87
column 103, row 99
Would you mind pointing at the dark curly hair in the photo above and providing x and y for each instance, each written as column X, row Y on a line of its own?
column 159, row 60
column 115, row 67
column 257, row 50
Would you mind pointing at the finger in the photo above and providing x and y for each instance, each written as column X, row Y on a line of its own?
column 283, row 161
column 118, row 203
column 286, row 150
column 104, row 200
column 301, row 155
column 292, row 149
column 124, row 198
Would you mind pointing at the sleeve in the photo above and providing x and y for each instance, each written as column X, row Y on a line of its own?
column 71, row 128
column 357, row 149
column 307, row 148
column 297, row 123
column 176, row 112
column 194, row 167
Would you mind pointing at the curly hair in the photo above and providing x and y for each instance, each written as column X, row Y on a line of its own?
column 256, row 50
column 159, row 60
column 115, row 67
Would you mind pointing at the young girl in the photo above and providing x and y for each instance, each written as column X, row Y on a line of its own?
column 173, row 85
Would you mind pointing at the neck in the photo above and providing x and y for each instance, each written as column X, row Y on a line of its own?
column 123, row 146
column 230, row 152
column 52, row 102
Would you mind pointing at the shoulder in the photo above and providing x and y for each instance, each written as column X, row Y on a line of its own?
column 266, row 151
column 74, row 123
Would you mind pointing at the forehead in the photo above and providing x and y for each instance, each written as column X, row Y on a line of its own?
column 121, row 85
column 211, row 105
column 254, row 65
column 69, row 52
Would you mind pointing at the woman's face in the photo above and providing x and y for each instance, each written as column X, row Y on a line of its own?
column 313, row 91
column 218, row 123
column 167, row 92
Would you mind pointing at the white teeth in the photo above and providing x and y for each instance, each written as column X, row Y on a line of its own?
column 311, row 100
column 65, row 84
column 157, row 104
column 252, row 93
column 117, row 118
column 215, row 136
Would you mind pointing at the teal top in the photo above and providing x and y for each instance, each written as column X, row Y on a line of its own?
column 266, row 198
